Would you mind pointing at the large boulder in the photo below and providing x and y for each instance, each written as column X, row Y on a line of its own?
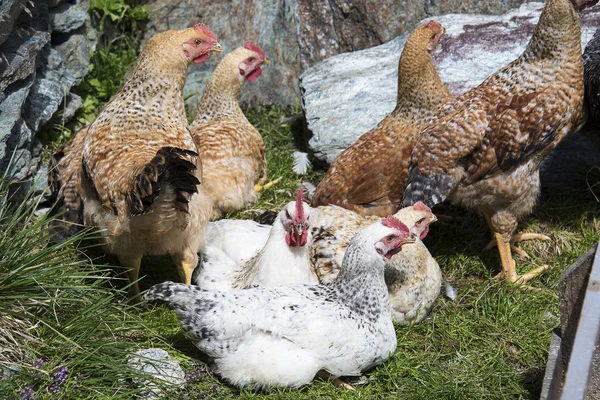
column 347, row 95
column 296, row 34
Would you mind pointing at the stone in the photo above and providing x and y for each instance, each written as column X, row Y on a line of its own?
column 296, row 34
column 158, row 364
column 9, row 11
column 20, row 55
column 75, row 50
column 72, row 103
column 269, row 23
column 69, row 16
column 48, row 92
column 348, row 94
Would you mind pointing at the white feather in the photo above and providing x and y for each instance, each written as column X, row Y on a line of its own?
column 451, row 291
column 301, row 163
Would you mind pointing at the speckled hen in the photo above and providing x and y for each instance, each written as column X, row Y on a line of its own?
column 369, row 176
column 413, row 277
column 282, row 260
column 282, row 336
column 231, row 148
column 485, row 149
column 140, row 167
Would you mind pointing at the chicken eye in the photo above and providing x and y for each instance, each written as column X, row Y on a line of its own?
column 198, row 42
column 251, row 59
column 433, row 36
column 287, row 215
column 389, row 238
column 419, row 222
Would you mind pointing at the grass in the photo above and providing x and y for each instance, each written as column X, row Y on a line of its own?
column 491, row 342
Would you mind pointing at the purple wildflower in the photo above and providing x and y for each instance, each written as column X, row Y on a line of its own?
column 59, row 379
column 195, row 375
column 26, row 393
column 38, row 363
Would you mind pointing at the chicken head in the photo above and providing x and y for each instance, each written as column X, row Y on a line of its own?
column 199, row 43
column 296, row 221
column 392, row 243
column 249, row 68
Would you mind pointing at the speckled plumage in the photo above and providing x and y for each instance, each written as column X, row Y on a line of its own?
column 231, row 148
column 369, row 176
column 275, row 262
column 140, row 168
column 283, row 336
column 591, row 73
column 412, row 276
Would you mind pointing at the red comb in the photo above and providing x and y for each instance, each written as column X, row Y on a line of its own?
column 299, row 206
column 250, row 45
column 204, row 29
column 420, row 206
column 394, row 223
column 433, row 25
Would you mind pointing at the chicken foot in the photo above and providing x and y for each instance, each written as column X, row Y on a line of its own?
column 519, row 237
column 337, row 382
column 509, row 272
column 258, row 187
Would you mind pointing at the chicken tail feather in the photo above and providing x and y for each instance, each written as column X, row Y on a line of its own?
column 430, row 191
column 170, row 167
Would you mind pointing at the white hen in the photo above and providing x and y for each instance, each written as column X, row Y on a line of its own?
column 282, row 336
column 283, row 259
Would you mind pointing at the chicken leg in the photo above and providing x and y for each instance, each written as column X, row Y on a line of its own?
column 133, row 264
column 259, row 186
column 337, row 382
column 503, row 224
column 186, row 264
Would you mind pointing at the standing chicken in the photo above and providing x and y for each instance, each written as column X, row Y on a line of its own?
column 140, row 166
column 369, row 176
column 283, row 259
column 231, row 149
column 485, row 149
column 283, row 336
column 413, row 277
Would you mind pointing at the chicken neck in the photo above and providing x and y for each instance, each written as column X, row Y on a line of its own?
column 221, row 95
column 557, row 34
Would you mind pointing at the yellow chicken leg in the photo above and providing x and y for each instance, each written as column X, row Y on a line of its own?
column 133, row 263
column 186, row 264
column 258, row 187
column 509, row 271
column 519, row 237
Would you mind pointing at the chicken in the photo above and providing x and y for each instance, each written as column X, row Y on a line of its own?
column 283, row 260
column 231, row 149
column 369, row 176
column 591, row 73
column 485, row 149
column 282, row 336
column 140, row 166
column 413, row 277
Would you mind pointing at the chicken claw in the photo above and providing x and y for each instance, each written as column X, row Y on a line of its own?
column 509, row 272
column 258, row 187
column 337, row 382
column 519, row 237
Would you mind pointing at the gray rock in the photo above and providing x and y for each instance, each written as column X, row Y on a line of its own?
column 347, row 95
column 20, row 55
column 10, row 109
column 158, row 364
column 75, row 50
column 69, row 16
column 64, row 114
column 48, row 92
column 9, row 11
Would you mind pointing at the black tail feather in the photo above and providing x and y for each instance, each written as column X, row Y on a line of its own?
column 430, row 191
column 170, row 166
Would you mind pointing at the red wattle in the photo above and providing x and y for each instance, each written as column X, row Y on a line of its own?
column 253, row 76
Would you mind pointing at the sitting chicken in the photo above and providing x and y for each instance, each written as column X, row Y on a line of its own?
column 485, row 149
column 413, row 277
column 369, row 176
column 283, row 336
column 140, row 166
column 283, row 260
column 231, row 149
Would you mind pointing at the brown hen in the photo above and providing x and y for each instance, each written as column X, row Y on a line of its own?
column 369, row 176
column 140, row 167
column 231, row 149
column 485, row 150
